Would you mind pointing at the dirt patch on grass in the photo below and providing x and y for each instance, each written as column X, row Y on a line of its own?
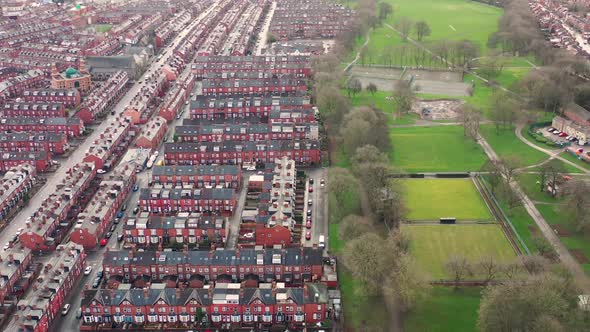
column 579, row 256
column 534, row 230
column 561, row 230
column 438, row 109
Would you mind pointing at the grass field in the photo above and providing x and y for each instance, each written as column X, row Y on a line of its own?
column 573, row 240
column 445, row 309
column 435, row 149
column 433, row 245
column 379, row 101
column 430, row 199
column 505, row 143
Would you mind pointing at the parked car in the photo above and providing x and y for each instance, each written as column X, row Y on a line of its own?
column 99, row 274
column 308, row 235
column 310, row 180
column 101, row 171
column 65, row 309
column 108, row 235
column 562, row 135
column 120, row 237
column 120, row 214
column 87, row 270
column 135, row 187
column 79, row 313
column 6, row 246
column 19, row 231
column 96, row 282
column 136, row 210
column 116, row 221
column 310, row 202
column 124, row 208
column 322, row 182
column 103, row 242
column 113, row 228
column 308, row 224
column 310, row 189
column 308, row 212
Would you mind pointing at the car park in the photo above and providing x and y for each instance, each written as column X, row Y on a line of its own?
column 87, row 270
column 65, row 309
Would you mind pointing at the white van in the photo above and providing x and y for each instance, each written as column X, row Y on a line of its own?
column 322, row 241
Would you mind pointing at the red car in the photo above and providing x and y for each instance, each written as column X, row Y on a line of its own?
column 308, row 223
column 103, row 242
column 562, row 135
column 310, row 189
column 308, row 235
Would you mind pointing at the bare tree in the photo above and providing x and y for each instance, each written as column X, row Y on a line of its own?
column 422, row 30
column 550, row 174
column 369, row 260
column 353, row 226
column 510, row 270
column 354, row 86
column 578, row 203
column 371, row 88
column 488, row 267
column 459, row 268
column 471, row 118
column 534, row 264
column 404, row 26
column 403, row 96
column 385, row 10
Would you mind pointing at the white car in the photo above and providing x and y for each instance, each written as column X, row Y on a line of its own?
column 65, row 309
column 6, row 246
column 87, row 270
column 19, row 231
column 101, row 171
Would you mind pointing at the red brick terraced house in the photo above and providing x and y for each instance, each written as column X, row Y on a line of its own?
column 189, row 228
column 200, row 176
column 40, row 159
column 240, row 106
column 247, row 132
column 15, row 86
column 56, row 143
column 305, row 152
column 39, row 308
column 296, row 65
column 204, row 200
column 33, row 110
column 69, row 97
column 73, row 127
column 254, row 86
column 40, row 229
column 197, row 268
column 13, row 264
column 14, row 186
column 111, row 140
column 95, row 220
column 104, row 97
column 225, row 306
column 152, row 133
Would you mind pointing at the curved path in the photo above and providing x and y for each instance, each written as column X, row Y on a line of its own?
column 552, row 153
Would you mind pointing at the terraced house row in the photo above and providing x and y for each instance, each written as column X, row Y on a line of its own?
column 14, row 186
column 226, row 305
column 197, row 268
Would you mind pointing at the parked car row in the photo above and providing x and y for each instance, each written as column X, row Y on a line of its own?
column 561, row 134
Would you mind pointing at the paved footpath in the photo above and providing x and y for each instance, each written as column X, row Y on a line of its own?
column 564, row 255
